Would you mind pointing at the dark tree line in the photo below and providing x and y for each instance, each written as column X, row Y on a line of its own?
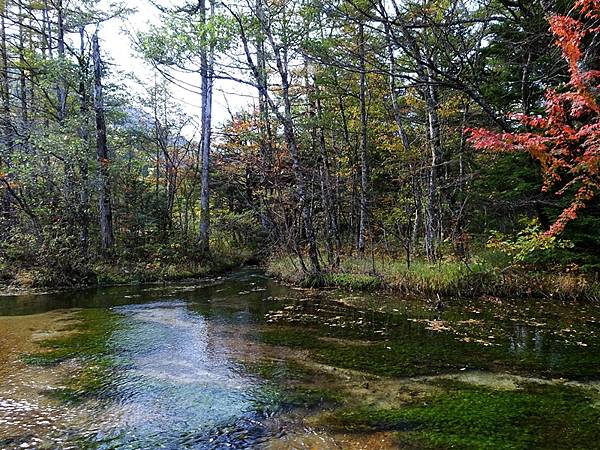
column 355, row 143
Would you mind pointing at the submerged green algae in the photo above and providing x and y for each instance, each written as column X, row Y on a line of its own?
column 87, row 336
column 422, row 340
column 85, row 341
column 466, row 416
column 538, row 416
column 285, row 385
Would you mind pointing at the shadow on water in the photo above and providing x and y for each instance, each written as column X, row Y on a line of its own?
column 16, row 305
column 245, row 362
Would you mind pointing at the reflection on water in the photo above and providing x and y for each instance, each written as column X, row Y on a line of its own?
column 208, row 366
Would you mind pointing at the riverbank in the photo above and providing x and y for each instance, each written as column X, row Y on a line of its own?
column 475, row 279
column 34, row 279
column 478, row 278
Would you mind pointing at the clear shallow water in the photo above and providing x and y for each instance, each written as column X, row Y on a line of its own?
column 174, row 372
column 245, row 362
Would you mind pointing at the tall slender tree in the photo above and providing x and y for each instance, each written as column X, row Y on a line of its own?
column 103, row 158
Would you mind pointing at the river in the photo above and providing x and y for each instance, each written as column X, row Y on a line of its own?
column 243, row 361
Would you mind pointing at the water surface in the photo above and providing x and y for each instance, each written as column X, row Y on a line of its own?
column 246, row 362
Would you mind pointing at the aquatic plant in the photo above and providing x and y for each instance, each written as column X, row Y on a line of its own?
column 86, row 341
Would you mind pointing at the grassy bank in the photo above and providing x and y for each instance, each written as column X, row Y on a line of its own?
column 157, row 271
column 22, row 277
column 481, row 277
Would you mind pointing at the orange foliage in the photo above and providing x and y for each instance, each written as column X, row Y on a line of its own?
column 566, row 140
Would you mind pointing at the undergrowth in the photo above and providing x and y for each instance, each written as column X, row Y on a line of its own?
column 483, row 276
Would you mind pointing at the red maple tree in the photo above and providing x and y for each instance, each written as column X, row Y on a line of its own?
column 566, row 139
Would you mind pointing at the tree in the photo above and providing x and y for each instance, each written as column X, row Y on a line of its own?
column 207, row 79
column 566, row 140
column 278, row 27
column 104, row 200
column 166, row 49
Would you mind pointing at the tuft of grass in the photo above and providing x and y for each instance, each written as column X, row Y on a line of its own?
column 353, row 281
column 287, row 268
column 451, row 278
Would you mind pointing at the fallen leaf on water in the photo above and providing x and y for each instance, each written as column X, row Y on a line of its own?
column 471, row 322
column 437, row 325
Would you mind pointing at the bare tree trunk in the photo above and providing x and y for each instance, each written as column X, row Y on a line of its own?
column 364, row 168
column 105, row 203
column 266, row 133
column 392, row 87
column 410, row 239
column 45, row 30
column 307, row 216
column 61, row 93
column 326, row 187
column 348, row 148
column 70, row 182
column 290, row 137
column 22, row 76
column 526, row 85
column 84, row 133
column 6, row 119
column 433, row 135
column 206, row 73
column 417, row 189
column 7, row 135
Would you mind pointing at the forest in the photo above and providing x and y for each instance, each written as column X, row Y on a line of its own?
column 441, row 147
column 299, row 224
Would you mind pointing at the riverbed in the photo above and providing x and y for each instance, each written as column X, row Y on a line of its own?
column 243, row 361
